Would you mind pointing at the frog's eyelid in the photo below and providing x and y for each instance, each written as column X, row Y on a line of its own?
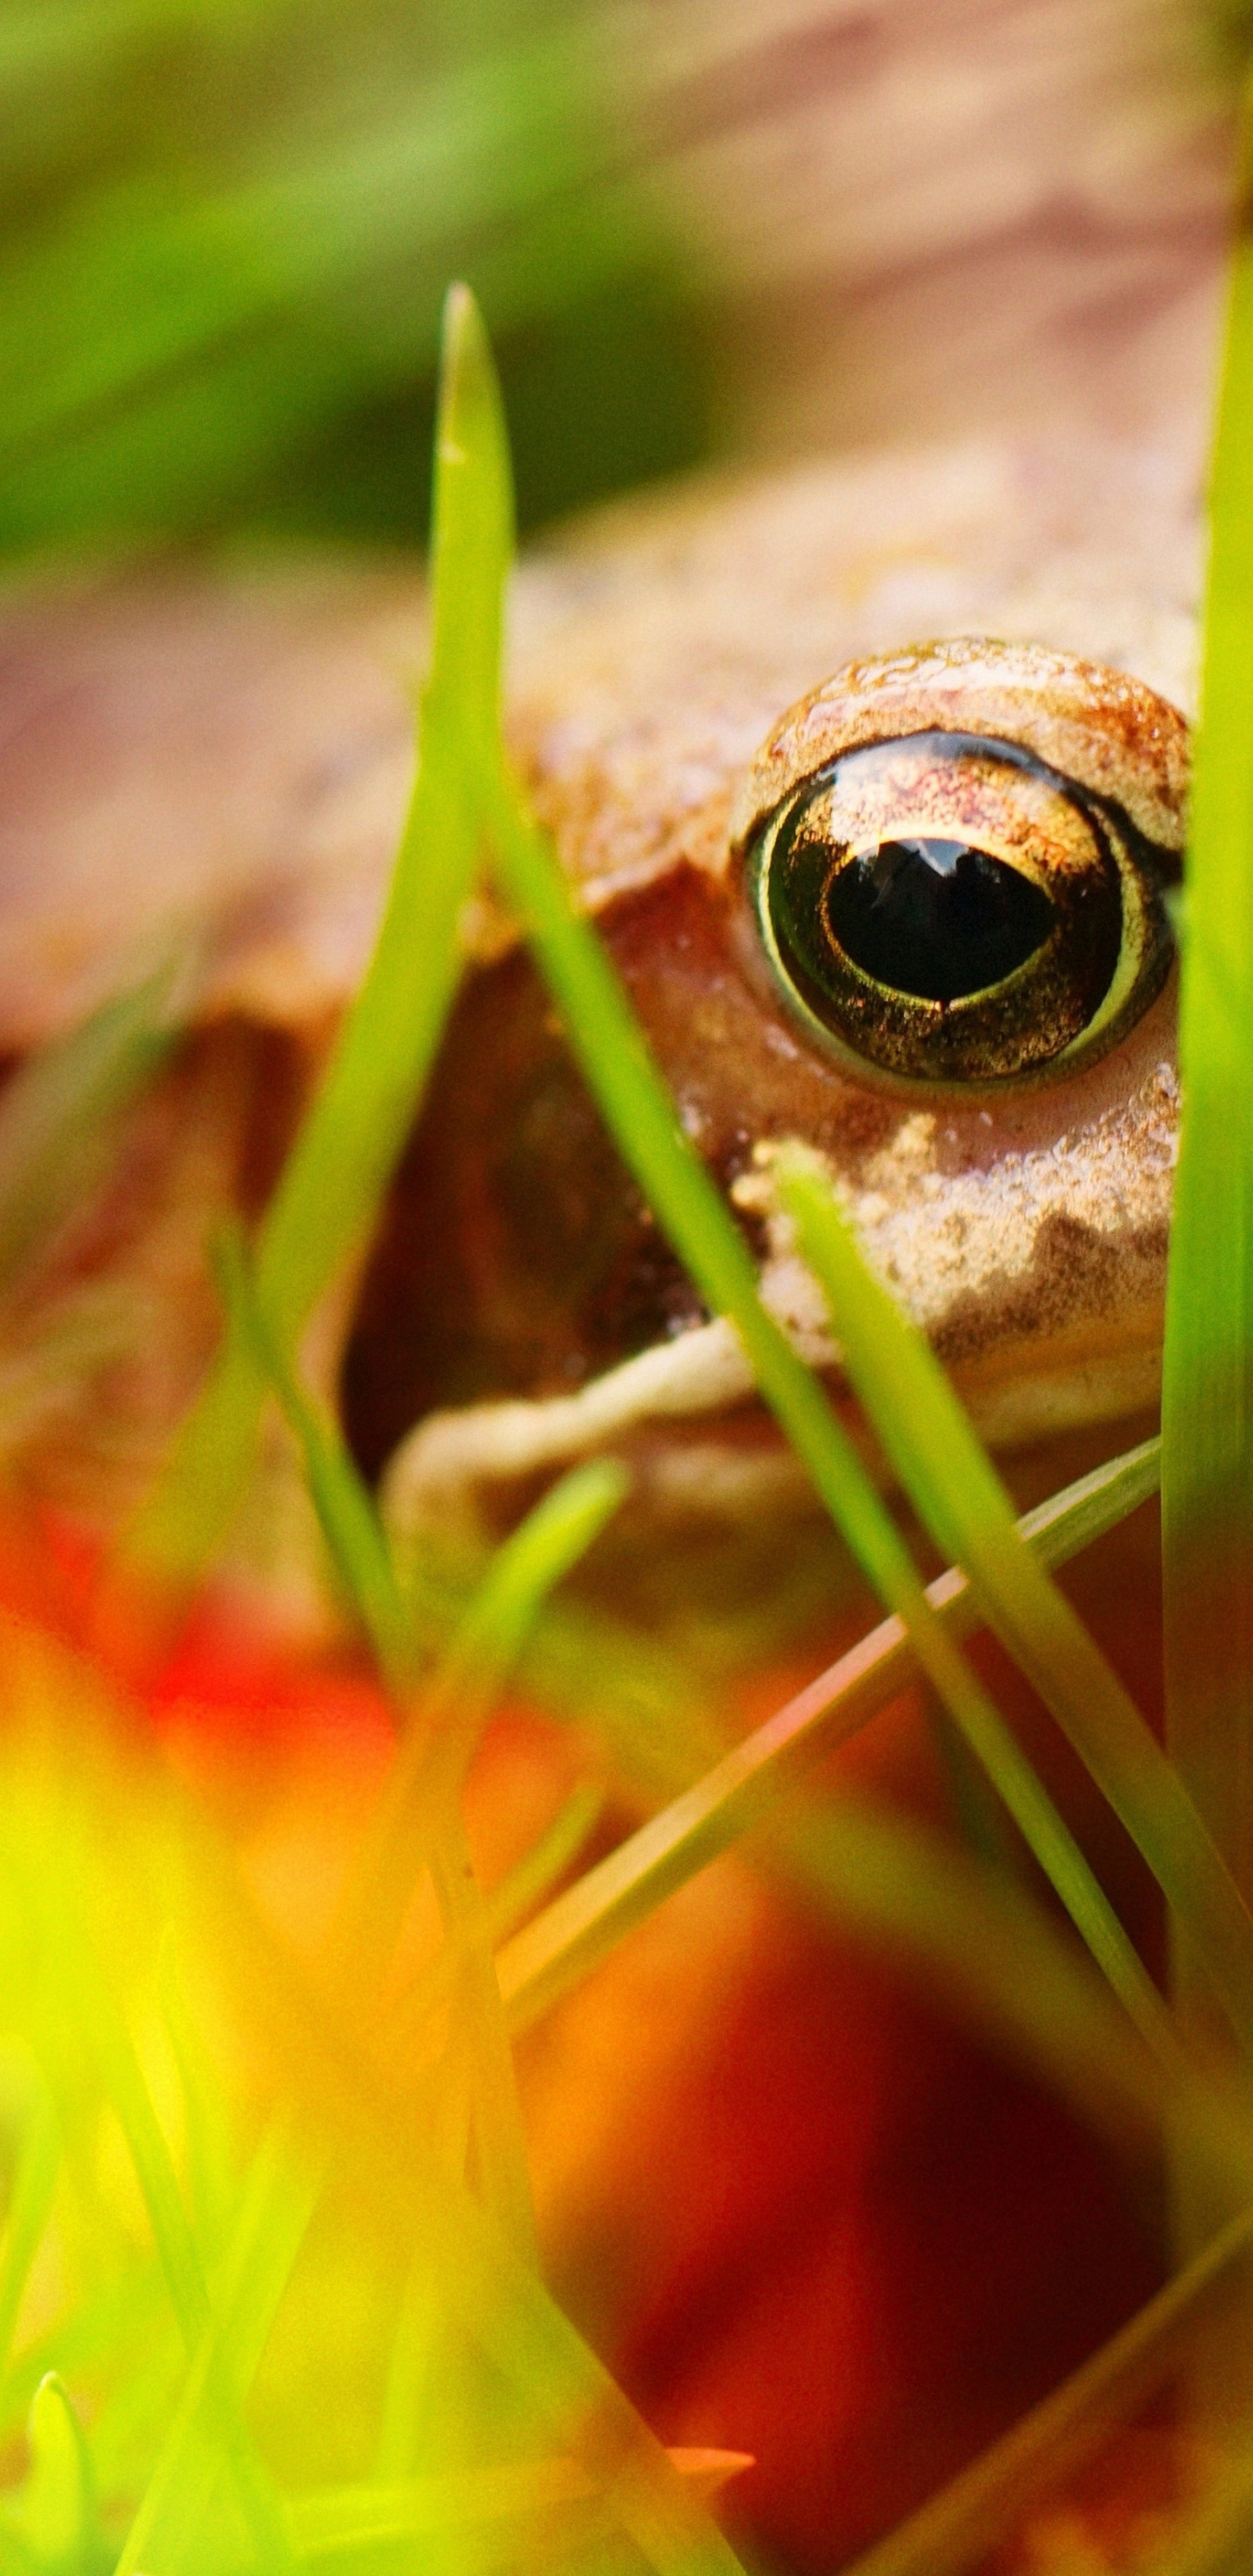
column 1096, row 728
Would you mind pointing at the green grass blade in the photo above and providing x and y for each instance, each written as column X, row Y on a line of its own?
column 133, row 2304
column 211, row 2178
column 518, row 2514
column 269, row 2230
column 431, row 1761
column 421, row 1808
column 30, row 2207
column 411, row 2367
column 58, row 2501
column 638, row 1109
column 573, row 2397
column 585, row 1923
column 343, row 1158
column 499, row 2144
column 150, row 2156
column 58, row 1113
column 503, row 1609
column 176, row 2247
column 1207, row 1394
column 183, row 274
column 528, row 1565
column 517, row 1894
column 527, row 1884
column 572, row 2407
column 960, row 1497
column 420, row 1818
column 1216, row 2539
column 346, row 1514
column 952, row 2534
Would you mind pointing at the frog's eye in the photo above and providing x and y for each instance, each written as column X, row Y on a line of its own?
column 951, row 908
column 949, row 905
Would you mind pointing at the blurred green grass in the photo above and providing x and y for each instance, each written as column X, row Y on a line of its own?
column 225, row 231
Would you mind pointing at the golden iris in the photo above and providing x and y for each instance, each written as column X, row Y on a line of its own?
column 951, row 909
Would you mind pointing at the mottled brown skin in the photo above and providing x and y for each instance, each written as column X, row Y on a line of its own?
column 231, row 758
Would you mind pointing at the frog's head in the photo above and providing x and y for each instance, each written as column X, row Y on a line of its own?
column 913, row 915
column 918, row 918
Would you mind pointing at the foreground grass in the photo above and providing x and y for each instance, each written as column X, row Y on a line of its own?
column 258, row 2177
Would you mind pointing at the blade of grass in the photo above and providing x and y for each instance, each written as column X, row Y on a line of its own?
column 524, row 1888
column 590, row 1918
column 129, row 2423
column 570, row 2401
column 180, row 2260
column 632, row 1686
column 971, row 1935
column 59, row 2509
column 580, row 2406
column 419, row 1814
column 30, row 2207
column 446, row 1713
column 502, row 2150
column 411, row 2364
column 347, row 1518
column 1207, row 1390
column 485, row 148
column 952, row 2534
column 343, row 1158
column 89, row 2336
column 432, row 1758
column 269, row 2230
column 506, row 2497
column 210, row 2173
column 637, row 1692
column 1215, row 2540
column 58, row 1113
column 638, row 1109
column 528, row 1565
column 499, row 2142
column 105, row 2032
column 957, row 1493
column 557, row 1848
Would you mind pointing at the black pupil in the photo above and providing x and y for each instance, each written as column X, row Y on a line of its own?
column 936, row 918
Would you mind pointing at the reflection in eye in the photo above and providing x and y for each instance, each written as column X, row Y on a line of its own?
column 954, row 910
column 935, row 917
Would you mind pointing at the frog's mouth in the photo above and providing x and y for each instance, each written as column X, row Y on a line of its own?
column 685, row 1416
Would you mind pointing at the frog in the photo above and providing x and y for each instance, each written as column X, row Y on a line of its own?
column 720, row 701
column 695, row 681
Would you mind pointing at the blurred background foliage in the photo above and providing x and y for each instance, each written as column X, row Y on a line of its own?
column 227, row 229
column 697, row 227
